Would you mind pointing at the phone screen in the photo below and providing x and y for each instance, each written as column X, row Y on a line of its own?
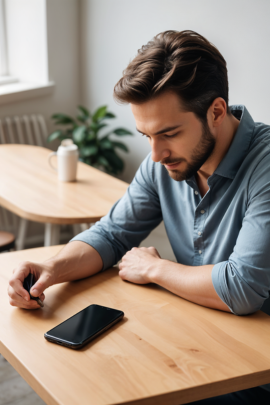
column 83, row 326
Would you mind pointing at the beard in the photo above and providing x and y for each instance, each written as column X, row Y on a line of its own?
column 199, row 156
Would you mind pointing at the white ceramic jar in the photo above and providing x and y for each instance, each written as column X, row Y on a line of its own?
column 67, row 160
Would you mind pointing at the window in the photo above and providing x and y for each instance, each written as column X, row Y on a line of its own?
column 23, row 50
column 3, row 48
column 3, row 67
column 4, row 77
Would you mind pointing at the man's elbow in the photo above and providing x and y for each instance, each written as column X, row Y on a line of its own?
column 245, row 307
column 245, row 293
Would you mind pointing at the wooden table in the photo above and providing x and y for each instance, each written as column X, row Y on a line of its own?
column 30, row 189
column 166, row 350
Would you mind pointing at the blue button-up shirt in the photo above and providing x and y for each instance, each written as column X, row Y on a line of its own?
column 229, row 227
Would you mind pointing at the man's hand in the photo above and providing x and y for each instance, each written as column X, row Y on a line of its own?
column 18, row 296
column 194, row 283
column 75, row 261
column 138, row 265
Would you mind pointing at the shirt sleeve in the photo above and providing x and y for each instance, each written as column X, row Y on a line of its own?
column 243, row 281
column 129, row 221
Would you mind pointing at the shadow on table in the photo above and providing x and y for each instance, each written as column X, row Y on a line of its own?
column 266, row 306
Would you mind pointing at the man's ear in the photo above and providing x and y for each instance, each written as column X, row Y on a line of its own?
column 216, row 112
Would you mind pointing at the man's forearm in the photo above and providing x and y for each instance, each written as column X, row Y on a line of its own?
column 75, row 261
column 189, row 282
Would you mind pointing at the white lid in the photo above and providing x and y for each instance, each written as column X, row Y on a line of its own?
column 67, row 147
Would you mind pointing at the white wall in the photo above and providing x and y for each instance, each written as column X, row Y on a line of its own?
column 112, row 31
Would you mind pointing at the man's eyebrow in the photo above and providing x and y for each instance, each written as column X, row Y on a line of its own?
column 162, row 131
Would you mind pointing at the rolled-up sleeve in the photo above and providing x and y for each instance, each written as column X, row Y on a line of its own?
column 129, row 221
column 243, row 281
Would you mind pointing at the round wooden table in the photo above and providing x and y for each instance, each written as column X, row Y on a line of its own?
column 31, row 189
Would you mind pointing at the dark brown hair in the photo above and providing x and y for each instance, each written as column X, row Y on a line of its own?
column 184, row 62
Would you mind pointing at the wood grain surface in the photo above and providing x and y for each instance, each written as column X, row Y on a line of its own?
column 166, row 350
column 31, row 189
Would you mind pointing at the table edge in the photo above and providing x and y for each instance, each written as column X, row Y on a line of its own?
column 45, row 218
column 178, row 397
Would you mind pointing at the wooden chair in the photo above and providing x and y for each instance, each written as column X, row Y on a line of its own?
column 7, row 241
column 30, row 130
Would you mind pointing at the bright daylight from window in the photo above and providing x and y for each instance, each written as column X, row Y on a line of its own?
column 5, row 78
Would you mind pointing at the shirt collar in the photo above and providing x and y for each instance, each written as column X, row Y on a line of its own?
column 239, row 147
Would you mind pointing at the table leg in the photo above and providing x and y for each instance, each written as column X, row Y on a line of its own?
column 85, row 226
column 76, row 229
column 21, row 234
column 52, row 234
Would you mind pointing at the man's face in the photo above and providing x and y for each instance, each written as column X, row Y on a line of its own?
column 178, row 139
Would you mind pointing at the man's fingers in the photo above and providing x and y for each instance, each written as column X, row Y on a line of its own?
column 42, row 283
column 122, row 274
column 18, row 301
column 151, row 249
column 17, row 297
column 32, row 304
column 17, row 286
column 154, row 250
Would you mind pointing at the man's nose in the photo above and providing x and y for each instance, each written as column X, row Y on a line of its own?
column 159, row 152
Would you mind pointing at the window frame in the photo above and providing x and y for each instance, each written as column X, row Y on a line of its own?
column 3, row 42
column 16, row 87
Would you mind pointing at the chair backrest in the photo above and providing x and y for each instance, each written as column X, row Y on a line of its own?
column 29, row 130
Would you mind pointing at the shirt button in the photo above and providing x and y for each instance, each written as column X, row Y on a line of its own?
column 202, row 211
column 199, row 233
column 200, row 252
column 196, row 192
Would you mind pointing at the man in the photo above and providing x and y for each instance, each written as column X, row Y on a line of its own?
column 207, row 178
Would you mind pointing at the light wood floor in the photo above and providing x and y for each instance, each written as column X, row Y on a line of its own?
column 13, row 389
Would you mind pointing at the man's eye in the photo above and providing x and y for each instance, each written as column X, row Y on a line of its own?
column 171, row 136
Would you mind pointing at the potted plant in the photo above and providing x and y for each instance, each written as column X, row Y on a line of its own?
column 94, row 149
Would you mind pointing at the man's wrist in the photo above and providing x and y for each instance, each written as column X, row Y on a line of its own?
column 162, row 266
column 53, row 264
column 156, row 269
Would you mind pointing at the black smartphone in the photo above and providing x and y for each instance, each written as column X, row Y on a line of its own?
column 84, row 326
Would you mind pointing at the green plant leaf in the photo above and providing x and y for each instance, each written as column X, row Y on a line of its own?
column 84, row 111
column 109, row 115
column 89, row 151
column 114, row 160
column 103, row 161
column 79, row 134
column 99, row 113
column 120, row 145
column 54, row 135
column 68, row 133
column 121, row 132
column 90, row 136
column 97, row 127
column 82, row 118
column 62, row 119
column 105, row 143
